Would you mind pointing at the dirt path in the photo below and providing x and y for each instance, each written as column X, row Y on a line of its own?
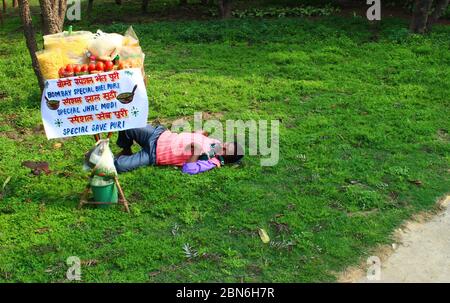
column 423, row 252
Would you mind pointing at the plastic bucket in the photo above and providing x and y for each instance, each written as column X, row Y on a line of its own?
column 105, row 193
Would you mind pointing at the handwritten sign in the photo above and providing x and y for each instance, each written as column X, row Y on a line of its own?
column 95, row 103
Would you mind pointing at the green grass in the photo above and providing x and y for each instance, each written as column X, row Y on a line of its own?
column 362, row 115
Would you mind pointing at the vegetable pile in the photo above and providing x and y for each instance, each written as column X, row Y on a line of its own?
column 70, row 54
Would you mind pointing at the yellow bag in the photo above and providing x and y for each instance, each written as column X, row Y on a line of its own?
column 73, row 46
column 50, row 61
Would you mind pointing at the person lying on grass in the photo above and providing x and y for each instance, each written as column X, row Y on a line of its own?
column 195, row 152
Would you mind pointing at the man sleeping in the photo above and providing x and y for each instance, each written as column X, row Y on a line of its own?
column 194, row 152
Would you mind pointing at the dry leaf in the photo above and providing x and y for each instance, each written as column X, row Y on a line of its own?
column 416, row 182
column 57, row 145
column 42, row 230
column 263, row 235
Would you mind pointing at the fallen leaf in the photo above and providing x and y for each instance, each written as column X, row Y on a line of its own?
column 263, row 235
column 91, row 262
column 154, row 273
column 42, row 230
column 57, row 145
column 6, row 182
column 416, row 182
column 37, row 167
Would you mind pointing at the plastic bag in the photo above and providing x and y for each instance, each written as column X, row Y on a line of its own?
column 131, row 54
column 105, row 46
column 72, row 45
column 101, row 181
column 101, row 159
column 130, row 38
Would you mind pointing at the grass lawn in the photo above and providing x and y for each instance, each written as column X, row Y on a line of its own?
column 364, row 144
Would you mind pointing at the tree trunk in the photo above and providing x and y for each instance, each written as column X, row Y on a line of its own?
column 225, row 8
column 15, row 4
column 439, row 10
column 145, row 6
column 89, row 8
column 420, row 16
column 53, row 15
column 4, row 6
column 30, row 38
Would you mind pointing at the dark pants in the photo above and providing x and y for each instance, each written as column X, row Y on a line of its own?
column 147, row 138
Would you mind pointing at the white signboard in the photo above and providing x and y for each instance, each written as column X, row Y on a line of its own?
column 95, row 103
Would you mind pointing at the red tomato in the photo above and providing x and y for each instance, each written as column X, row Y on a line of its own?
column 109, row 65
column 91, row 67
column 69, row 68
column 100, row 66
column 84, row 68
column 61, row 72
column 76, row 69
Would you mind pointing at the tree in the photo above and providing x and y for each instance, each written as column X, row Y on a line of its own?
column 439, row 10
column 145, row 5
column 426, row 13
column 30, row 38
column 225, row 8
column 53, row 13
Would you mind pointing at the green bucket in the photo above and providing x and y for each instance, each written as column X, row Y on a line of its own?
column 105, row 193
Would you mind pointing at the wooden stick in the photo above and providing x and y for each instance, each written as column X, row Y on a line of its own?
column 122, row 198
column 83, row 199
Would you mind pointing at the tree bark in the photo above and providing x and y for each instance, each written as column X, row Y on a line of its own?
column 4, row 6
column 89, row 8
column 53, row 15
column 30, row 38
column 420, row 16
column 15, row 3
column 145, row 6
column 439, row 10
column 225, row 8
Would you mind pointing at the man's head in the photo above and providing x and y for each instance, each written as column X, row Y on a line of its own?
column 232, row 152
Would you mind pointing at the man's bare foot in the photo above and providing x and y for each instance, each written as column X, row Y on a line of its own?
column 125, row 152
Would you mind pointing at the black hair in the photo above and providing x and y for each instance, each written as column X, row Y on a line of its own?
column 236, row 156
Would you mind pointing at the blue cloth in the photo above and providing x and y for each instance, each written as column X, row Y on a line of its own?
column 147, row 138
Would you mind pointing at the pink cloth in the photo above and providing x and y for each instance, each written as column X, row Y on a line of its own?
column 171, row 147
